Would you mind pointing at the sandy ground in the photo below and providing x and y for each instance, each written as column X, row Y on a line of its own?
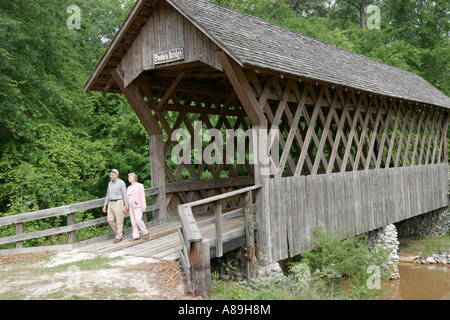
column 89, row 276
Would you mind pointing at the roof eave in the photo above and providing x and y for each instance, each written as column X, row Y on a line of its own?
column 202, row 29
column 117, row 38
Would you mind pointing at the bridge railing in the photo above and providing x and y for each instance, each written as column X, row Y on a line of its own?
column 69, row 210
column 195, row 252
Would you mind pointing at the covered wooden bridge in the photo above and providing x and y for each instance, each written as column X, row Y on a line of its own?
column 359, row 144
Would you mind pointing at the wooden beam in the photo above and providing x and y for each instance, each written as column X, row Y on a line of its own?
column 242, row 88
column 339, row 133
column 157, row 163
column 201, row 269
column 108, row 86
column 249, row 234
column 310, row 132
column 170, row 91
column 137, row 102
column 218, row 220
column 325, row 135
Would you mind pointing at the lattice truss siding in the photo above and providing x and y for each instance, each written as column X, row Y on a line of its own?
column 178, row 106
column 327, row 129
column 323, row 129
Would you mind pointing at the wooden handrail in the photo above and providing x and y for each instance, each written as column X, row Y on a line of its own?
column 222, row 196
column 188, row 223
column 68, row 210
column 194, row 254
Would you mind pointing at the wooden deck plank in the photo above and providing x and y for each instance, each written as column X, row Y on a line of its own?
column 164, row 242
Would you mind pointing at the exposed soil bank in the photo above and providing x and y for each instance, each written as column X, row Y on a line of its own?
column 87, row 276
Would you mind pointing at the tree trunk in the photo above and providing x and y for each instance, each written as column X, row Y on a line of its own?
column 362, row 16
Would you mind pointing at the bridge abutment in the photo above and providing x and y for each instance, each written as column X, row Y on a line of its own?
column 433, row 223
column 387, row 237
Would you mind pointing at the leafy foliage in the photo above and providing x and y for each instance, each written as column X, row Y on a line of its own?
column 58, row 143
column 333, row 269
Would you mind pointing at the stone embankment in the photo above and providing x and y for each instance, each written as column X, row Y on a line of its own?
column 435, row 258
column 387, row 237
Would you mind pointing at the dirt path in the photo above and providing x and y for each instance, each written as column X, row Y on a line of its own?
column 88, row 276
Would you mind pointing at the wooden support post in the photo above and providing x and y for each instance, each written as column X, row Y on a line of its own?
column 201, row 269
column 19, row 231
column 444, row 138
column 262, row 176
column 218, row 220
column 72, row 235
column 249, row 234
column 157, row 169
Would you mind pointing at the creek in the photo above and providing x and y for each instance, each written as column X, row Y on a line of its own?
column 419, row 282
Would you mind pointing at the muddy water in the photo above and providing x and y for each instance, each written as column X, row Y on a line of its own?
column 419, row 282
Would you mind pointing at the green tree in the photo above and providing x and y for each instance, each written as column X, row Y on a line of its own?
column 57, row 142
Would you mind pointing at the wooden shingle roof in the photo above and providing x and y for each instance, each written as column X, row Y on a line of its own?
column 255, row 43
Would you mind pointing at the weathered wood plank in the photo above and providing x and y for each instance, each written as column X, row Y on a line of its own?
column 222, row 196
column 274, row 221
column 218, row 223
column 360, row 200
column 190, row 228
column 294, row 216
column 300, row 217
column 49, row 232
column 283, row 196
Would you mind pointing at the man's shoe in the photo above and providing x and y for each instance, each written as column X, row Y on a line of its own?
column 117, row 240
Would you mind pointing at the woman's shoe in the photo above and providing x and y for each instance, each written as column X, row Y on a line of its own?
column 134, row 239
column 146, row 236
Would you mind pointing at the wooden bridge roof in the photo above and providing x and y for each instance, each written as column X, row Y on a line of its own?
column 255, row 43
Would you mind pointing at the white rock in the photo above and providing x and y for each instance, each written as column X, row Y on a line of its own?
column 430, row 260
column 275, row 267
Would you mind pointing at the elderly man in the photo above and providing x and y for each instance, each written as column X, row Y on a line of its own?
column 116, row 200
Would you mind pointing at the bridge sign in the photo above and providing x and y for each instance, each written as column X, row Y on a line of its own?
column 169, row 56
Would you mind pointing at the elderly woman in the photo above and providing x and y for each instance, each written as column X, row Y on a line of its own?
column 137, row 206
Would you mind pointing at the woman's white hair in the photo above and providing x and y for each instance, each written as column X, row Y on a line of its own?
column 135, row 176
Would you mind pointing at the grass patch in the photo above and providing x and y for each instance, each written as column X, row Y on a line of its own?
column 425, row 244
column 96, row 263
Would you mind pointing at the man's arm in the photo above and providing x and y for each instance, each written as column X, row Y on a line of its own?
column 123, row 190
column 106, row 200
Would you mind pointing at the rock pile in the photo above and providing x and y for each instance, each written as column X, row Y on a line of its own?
column 235, row 269
column 387, row 237
column 434, row 258
column 435, row 223
column 230, row 268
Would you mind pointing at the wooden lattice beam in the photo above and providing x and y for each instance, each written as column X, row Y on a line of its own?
column 242, row 89
column 138, row 103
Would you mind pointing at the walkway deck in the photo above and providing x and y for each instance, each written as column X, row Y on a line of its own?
column 164, row 242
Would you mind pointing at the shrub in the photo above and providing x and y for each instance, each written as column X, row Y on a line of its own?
column 333, row 259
